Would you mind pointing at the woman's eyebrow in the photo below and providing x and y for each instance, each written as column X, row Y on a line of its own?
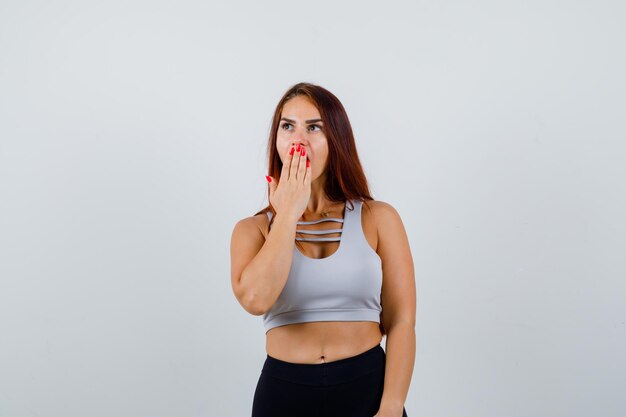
column 306, row 121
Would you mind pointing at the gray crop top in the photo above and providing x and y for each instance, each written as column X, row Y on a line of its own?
column 345, row 286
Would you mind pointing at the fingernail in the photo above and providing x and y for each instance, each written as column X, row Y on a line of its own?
column 308, row 163
column 268, row 178
column 298, row 148
column 291, row 151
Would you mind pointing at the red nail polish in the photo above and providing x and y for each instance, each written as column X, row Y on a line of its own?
column 291, row 151
column 298, row 148
column 308, row 163
column 268, row 178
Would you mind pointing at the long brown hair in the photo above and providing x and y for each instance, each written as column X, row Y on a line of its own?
column 345, row 179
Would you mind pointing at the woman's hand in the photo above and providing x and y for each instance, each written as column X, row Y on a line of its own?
column 291, row 195
column 389, row 412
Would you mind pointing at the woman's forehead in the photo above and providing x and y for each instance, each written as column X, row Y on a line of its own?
column 300, row 108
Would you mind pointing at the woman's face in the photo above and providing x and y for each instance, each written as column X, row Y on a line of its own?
column 301, row 123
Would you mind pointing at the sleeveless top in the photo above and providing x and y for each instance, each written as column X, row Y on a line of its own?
column 345, row 286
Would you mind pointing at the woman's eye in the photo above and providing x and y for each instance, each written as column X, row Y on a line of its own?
column 286, row 126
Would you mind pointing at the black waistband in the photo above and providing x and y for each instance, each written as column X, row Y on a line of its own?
column 327, row 373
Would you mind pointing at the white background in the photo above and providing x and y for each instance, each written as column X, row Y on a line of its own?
column 133, row 137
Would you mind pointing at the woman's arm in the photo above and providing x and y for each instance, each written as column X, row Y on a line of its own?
column 260, row 267
column 398, row 301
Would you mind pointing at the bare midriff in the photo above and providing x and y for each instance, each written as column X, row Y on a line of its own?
column 322, row 341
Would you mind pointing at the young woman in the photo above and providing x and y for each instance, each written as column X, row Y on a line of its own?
column 329, row 269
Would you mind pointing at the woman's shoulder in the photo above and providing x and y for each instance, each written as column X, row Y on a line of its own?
column 378, row 206
column 381, row 211
column 257, row 223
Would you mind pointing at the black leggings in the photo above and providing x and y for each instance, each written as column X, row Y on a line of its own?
column 350, row 387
